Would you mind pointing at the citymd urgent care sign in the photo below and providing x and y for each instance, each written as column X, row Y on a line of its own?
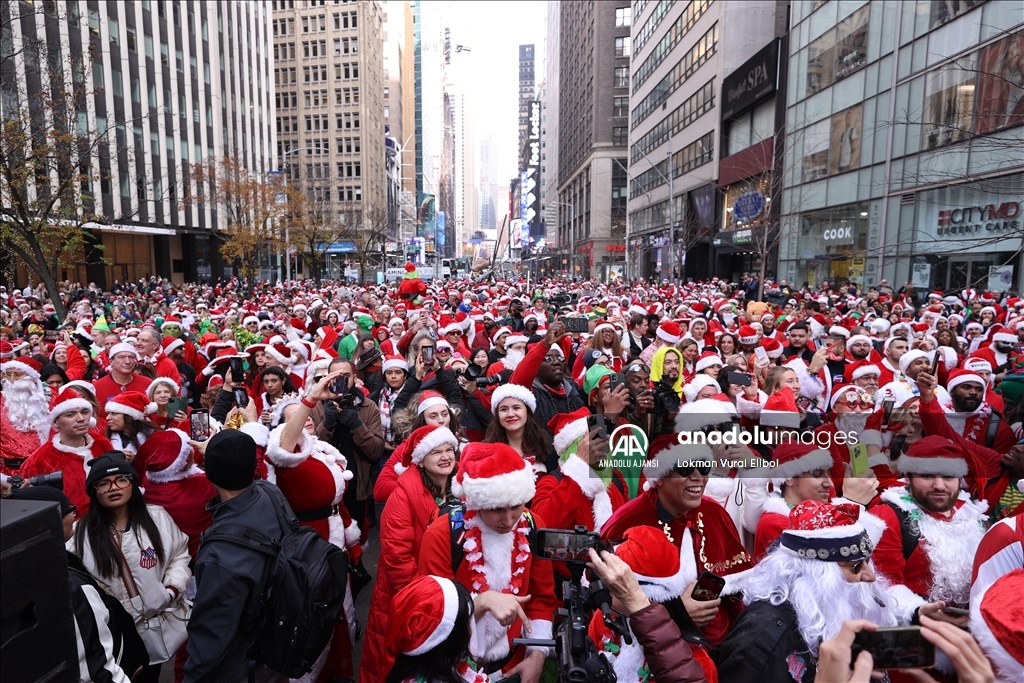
column 970, row 222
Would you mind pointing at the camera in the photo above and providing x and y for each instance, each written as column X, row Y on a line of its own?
column 475, row 373
column 346, row 397
column 565, row 299
column 53, row 479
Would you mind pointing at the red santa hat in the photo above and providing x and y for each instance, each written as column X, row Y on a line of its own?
column 693, row 387
column 122, row 348
column 708, row 359
column 520, row 393
column 831, row 533
column 421, row 442
column 772, row 347
column 429, row 399
column 394, row 361
column 997, row 622
column 912, row 355
column 842, row 390
column 977, row 365
column 962, row 376
column 862, row 368
column 601, row 328
column 29, row 366
column 498, row 332
column 748, row 335
column 655, row 562
column 1005, row 337
column 780, row 410
column 171, row 320
column 61, row 402
column 666, row 454
column 492, row 476
column 163, row 456
column 425, row 613
column 166, row 381
column 795, row 459
column 669, row 331
column 134, row 404
column 695, row 415
column 934, row 455
column 279, row 352
column 568, row 427
column 858, row 338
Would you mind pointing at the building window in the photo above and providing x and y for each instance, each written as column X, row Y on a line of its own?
column 620, row 106
column 621, row 77
column 623, row 16
column 622, row 46
column 620, row 135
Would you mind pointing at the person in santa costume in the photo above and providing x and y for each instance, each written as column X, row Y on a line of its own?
column 312, row 475
column 933, row 527
column 492, row 558
column 997, row 623
column 661, row 578
column 971, row 415
column 70, row 449
column 412, row 286
column 425, row 484
column 673, row 501
column 24, row 413
column 801, row 593
column 128, row 424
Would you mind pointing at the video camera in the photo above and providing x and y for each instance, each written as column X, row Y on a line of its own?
column 53, row 479
column 576, row 654
column 565, row 299
column 475, row 373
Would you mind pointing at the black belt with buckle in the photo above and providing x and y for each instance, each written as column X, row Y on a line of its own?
column 313, row 515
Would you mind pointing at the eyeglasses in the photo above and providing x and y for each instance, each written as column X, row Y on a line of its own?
column 14, row 374
column 553, row 359
column 637, row 368
column 119, row 483
column 854, row 399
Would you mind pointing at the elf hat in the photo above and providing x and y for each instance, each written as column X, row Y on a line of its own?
column 425, row 613
column 996, row 623
column 520, row 393
column 655, row 561
column 780, row 410
column 134, row 404
column 422, row 441
column 568, row 428
column 163, row 456
column 493, row 476
column 666, row 455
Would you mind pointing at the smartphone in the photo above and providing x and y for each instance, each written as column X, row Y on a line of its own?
column 859, row 459
column 709, row 587
column 578, row 325
column 427, row 353
column 614, row 380
column 339, row 385
column 803, row 402
column 241, row 397
column 956, row 611
column 761, row 353
column 897, row 647
column 51, row 335
column 934, row 369
column 176, row 405
column 739, row 378
column 199, row 425
column 896, row 447
column 567, row 546
column 237, row 373
column 887, row 406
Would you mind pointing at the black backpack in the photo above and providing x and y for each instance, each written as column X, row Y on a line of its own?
column 303, row 595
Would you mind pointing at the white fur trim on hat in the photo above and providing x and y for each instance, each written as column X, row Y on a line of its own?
column 666, row 461
column 81, row 384
column 709, row 362
column 780, row 418
column 173, row 472
column 122, row 348
column 120, row 408
column 162, row 380
column 449, row 616
column 665, row 336
column 438, row 437
column 276, row 355
column 395, row 363
column 858, row 338
column 604, row 326
column 977, row 364
column 693, row 387
column 520, row 393
column 865, row 370
column 503, row 491
column 996, row 652
column 257, row 431
column 838, row 331
column 430, row 402
column 694, row 415
column 516, row 339
column 964, row 378
column 569, row 434
column 946, row 467
column 18, row 365
column 909, row 357
column 75, row 403
column 819, row 459
column 1004, row 337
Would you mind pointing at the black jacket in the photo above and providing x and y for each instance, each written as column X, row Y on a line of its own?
column 549, row 405
column 765, row 645
column 229, row 580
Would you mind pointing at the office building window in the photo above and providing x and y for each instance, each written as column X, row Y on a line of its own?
column 622, row 46
column 621, row 77
column 620, row 106
column 624, row 16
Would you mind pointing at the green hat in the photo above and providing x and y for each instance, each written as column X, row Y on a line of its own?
column 592, row 379
column 1011, row 388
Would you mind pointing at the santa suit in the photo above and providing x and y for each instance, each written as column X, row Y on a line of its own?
column 1000, row 552
column 774, row 520
column 71, row 461
column 707, row 539
column 940, row 565
column 184, row 494
column 16, row 446
column 888, row 373
column 995, row 358
column 165, row 367
column 974, row 427
column 491, row 643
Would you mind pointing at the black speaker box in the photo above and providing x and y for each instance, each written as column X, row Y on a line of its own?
column 37, row 630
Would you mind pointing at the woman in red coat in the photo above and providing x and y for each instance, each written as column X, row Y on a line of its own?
column 425, row 483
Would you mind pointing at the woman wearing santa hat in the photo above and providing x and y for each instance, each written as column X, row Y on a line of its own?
column 515, row 424
column 396, row 371
column 492, row 558
column 424, row 485
column 128, row 424
column 160, row 392
column 606, row 338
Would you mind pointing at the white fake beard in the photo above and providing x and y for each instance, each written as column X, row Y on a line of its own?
column 27, row 407
column 820, row 595
column 512, row 359
column 951, row 547
column 854, row 423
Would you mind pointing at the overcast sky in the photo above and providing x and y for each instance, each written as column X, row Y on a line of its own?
column 494, row 31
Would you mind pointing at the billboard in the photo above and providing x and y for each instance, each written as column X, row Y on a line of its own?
column 441, row 236
column 426, row 215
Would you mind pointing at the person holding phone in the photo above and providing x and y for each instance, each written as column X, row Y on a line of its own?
column 128, row 424
column 164, row 392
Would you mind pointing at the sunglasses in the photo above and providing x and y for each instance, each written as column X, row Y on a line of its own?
column 637, row 368
column 685, row 472
column 444, row 350
column 857, row 567
column 552, row 359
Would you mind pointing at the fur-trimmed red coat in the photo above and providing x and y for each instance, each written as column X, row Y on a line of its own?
column 72, row 462
column 16, row 445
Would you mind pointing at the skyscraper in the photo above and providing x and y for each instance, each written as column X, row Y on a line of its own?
column 527, row 84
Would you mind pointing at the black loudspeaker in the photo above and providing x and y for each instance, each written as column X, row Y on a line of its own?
column 37, row 630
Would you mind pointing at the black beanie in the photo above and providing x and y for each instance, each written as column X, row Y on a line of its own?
column 230, row 460
column 44, row 494
column 108, row 464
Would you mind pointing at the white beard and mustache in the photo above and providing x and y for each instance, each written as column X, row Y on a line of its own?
column 854, row 423
column 27, row 407
column 951, row 547
column 819, row 594
column 512, row 359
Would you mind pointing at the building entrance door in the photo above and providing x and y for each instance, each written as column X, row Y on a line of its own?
column 994, row 271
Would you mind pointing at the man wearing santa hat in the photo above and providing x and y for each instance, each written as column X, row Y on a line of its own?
column 673, row 501
column 893, row 348
column 24, row 413
column 122, row 377
column 971, row 415
column 70, row 449
column 801, row 593
column 491, row 557
column 933, row 527
column 998, row 352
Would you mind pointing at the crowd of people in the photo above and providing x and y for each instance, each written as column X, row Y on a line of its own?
column 814, row 464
